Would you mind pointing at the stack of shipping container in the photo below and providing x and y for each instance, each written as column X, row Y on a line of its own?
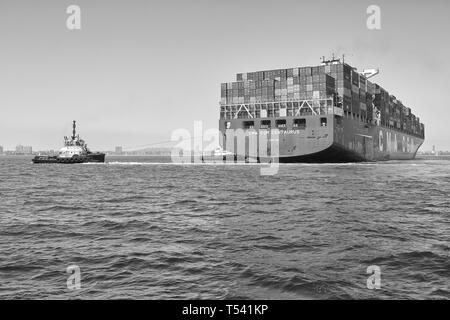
column 359, row 97
column 279, row 85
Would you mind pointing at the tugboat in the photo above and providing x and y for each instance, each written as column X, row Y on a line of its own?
column 75, row 150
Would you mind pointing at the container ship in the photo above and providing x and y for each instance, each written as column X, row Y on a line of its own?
column 75, row 150
column 326, row 113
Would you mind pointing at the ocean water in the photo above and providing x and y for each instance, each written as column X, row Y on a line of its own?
column 139, row 228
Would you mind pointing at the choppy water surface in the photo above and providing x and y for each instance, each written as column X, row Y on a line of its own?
column 139, row 229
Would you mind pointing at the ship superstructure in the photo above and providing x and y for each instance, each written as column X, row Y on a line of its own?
column 73, row 145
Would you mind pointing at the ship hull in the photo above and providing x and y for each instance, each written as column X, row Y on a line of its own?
column 89, row 158
column 342, row 139
column 332, row 154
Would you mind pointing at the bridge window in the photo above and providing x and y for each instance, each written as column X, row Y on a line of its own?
column 265, row 124
column 281, row 123
column 249, row 124
column 305, row 111
column 300, row 124
column 323, row 122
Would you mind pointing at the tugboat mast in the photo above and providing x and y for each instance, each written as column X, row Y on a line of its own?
column 74, row 130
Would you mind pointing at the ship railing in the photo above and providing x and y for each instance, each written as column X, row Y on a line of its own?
column 289, row 108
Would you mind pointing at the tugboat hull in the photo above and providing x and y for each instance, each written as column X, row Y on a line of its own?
column 90, row 158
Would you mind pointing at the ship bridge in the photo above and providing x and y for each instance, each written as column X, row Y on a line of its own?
column 290, row 108
column 279, row 114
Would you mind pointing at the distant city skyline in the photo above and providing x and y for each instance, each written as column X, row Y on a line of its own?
column 119, row 150
column 21, row 149
column 138, row 70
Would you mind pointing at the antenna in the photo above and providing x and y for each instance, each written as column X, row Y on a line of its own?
column 332, row 61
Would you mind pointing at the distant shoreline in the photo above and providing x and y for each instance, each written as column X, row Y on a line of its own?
column 418, row 157
column 431, row 157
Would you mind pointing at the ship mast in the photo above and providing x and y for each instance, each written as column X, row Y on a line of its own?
column 74, row 130
column 333, row 60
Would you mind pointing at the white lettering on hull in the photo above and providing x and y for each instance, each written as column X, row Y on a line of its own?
column 392, row 142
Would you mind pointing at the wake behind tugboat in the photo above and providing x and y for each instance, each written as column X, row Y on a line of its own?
column 75, row 150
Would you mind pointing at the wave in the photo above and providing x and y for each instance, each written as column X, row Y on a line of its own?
column 123, row 225
column 152, row 228
column 239, row 163
column 125, row 199
column 415, row 260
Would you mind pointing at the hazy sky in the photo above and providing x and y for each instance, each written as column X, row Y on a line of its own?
column 137, row 70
